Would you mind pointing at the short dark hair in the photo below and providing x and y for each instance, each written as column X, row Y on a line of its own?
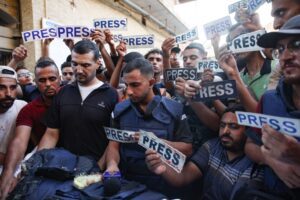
column 141, row 64
column 153, row 51
column 86, row 46
column 65, row 64
column 195, row 45
column 43, row 63
column 234, row 108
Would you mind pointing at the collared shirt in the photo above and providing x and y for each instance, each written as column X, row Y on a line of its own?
column 259, row 83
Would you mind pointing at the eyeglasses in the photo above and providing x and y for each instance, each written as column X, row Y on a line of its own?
column 292, row 47
column 66, row 73
column 27, row 75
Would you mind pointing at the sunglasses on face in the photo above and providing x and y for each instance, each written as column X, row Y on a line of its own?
column 293, row 46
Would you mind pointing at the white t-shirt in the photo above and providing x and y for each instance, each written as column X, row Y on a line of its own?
column 8, row 124
column 86, row 90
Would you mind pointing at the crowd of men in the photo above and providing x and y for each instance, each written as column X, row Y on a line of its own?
column 225, row 160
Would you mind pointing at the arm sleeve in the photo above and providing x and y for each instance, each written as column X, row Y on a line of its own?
column 201, row 157
column 24, row 117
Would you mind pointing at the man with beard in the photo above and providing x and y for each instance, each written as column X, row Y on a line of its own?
column 147, row 111
column 80, row 110
column 253, row 80
column 30, row 124
column 281, row 152
column 220, row 162
column 9, row 108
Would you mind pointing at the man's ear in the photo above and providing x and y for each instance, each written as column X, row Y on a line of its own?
column 152, row 81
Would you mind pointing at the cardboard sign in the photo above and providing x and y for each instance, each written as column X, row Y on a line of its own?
column 111, row 23
column 185, row 73
column 57, row 32
column 220, row 26
column 119, row 135
column 169, row 155
column 281, row 124
column 237, row 5
column 188, row 36
column 209, row 64
column 216, row 90
column 246, row 42
column 139, row 41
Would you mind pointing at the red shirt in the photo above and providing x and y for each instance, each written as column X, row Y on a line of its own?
column 33, row 115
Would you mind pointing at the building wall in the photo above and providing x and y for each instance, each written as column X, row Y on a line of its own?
column 82, row 12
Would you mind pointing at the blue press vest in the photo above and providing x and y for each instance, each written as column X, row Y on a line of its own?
column 161, row 122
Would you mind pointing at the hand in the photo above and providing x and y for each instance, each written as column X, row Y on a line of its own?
column 69, row 43
column 279, row 146
column 228, row 63
column 136, row 136
column 48, row 41
column 167, row 45
column 99, row 37
column 121, row 48
column 108, row 37
column 154, row 163
column 288, row 173
column 180, row 86
column 215, row 40
column 19, row 53
column 207, row 76
column 191, row 88
column 249, row 21
column 7, row 184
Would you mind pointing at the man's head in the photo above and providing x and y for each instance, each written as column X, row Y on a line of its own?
column 47, row 78
column 85, row 61
column 283, row 10
column 175, row 54
column 155, row 56
column 67, row 72
column 8, row 88
column 286, row 47
column 192, row 54
column 24, row 76
column 138, row 77
column 231, row 134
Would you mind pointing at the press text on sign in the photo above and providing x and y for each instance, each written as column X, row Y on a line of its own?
column 119, row 135
column 237, row 5
column 216, row 90
column 246, row 42
column 111, row 23
column 188, row 36
column 185, row 73
column 169, row 155
column 284, row 125
column 220, row 26
column 209, row 64
column 139, row 41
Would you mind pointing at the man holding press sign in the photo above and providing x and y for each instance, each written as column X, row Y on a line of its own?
column 281, row 152
column 146, row 111
column 214, row 162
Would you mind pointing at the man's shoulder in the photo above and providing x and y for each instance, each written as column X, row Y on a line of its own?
column 20, row 104
column 121, row 107
column 174, row 108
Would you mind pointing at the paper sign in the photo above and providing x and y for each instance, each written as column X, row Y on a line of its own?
column 185, row 73
column 246, row 42
column 253, row 5
column 216, row 90
column 169, row 155
column 119, row 135
column 188, row 36
column 220, row 26
column 284, row 125
column 139, row 41
column 57, row 32
column 237, row 5
column 111, row 23
column 209, row 64
column 47, row 23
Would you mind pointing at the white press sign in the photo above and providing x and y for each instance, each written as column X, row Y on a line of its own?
column 209, row 64
column 169, row 155
column 220, row 26
column 284, row 125
column 246, row 42
column 111, row 23
column 188, row 36
column 119, row 135
column 237, row 5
